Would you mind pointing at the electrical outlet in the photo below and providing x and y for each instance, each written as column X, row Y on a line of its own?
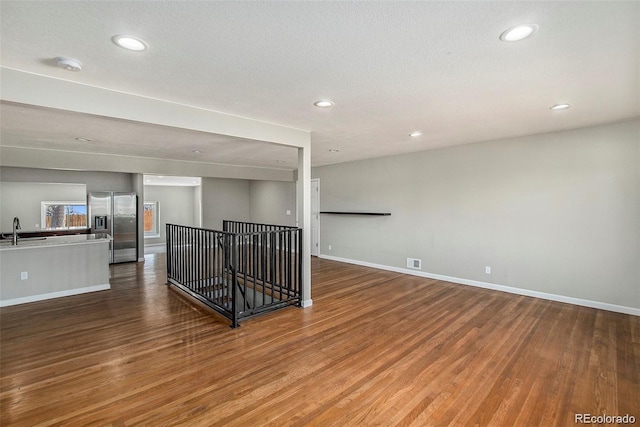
column 288, row 212
column 24, row 275
column 487, row 269
column 329, row 247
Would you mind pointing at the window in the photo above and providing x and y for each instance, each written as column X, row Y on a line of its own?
column 63, row 215
column 151, row 219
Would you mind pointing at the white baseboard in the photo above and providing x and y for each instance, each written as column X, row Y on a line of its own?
column 306, row 303
column 52, row 295
column 518, row 291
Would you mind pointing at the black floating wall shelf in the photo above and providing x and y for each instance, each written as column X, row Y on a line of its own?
column 357, row 213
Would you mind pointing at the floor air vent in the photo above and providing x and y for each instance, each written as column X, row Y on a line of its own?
column 414, row 263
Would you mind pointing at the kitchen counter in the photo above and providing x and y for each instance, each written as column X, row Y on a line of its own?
column 42, row 268
column 79, row 239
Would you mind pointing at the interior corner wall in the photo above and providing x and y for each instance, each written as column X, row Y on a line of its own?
column 555, row 213
column 222, row 199
column 271, row 200
column 137, row 184
column 177, row 206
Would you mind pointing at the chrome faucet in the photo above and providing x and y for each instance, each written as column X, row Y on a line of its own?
column 16, row 227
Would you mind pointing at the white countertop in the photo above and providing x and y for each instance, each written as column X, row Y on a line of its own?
column 54, row 241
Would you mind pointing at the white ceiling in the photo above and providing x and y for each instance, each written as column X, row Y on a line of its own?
column 390, row 67
column 42, row 128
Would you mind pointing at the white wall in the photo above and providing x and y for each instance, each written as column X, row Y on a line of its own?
column 216, row 200
column 270, row 201
column 24, row 200
column 224, row 199
column 555, row 213
column 197, row 207
column 242, row 200
column 177, row 206
column 94, row 181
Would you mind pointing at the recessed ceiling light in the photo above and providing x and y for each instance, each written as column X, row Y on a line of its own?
column 519, row 32
column 160, row 176
column 68, row 64
column 280, row 161
column 197, row 151
column 559, row 107
column 130, row 43
column 83, row 139
column 416, row 134
column 324, row 103
column 333, row 150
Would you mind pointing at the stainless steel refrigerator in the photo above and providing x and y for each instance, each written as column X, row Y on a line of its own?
column 116, row 214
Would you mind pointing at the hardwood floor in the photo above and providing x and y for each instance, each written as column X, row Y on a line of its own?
column 376, row 348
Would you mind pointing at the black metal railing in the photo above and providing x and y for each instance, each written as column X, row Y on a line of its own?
column 245, row 270
column 251, row 227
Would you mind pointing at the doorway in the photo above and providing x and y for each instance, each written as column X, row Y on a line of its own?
column 169, row 199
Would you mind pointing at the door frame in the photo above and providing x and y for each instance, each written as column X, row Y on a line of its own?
column 317, row 197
